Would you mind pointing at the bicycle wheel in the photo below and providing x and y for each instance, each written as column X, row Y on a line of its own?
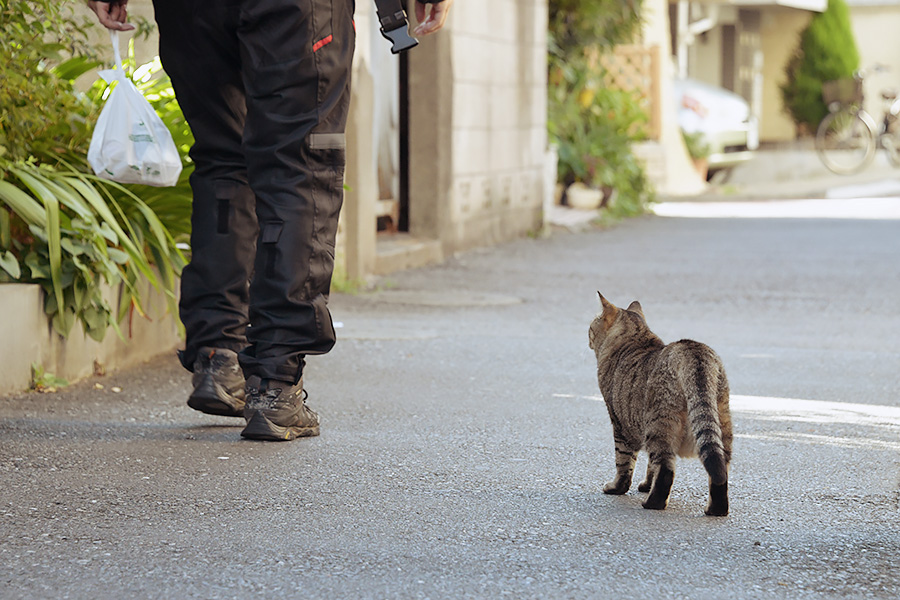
column 890, row 140
column 845, row 142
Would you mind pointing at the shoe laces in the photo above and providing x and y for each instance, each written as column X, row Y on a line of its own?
column 273, row 395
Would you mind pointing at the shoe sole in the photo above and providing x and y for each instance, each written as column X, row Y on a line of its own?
column 261, row 428
column 211, row 398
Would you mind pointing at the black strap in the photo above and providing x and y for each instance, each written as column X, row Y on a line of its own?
column 394, row 26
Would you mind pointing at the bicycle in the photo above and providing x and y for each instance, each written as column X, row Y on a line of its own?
column 848, row 136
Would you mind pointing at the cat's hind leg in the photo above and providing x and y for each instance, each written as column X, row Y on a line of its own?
column 625, row 458
column 718, row 490
column 662, row 481
column 661, row 446
column 647, row 483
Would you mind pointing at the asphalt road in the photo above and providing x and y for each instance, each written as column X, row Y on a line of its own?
column 464, row 443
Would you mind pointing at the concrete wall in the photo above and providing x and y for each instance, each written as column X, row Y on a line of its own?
column 478, row 134
column 356, row 234
column 705, row 57
column 875, row 27
column 29, row 339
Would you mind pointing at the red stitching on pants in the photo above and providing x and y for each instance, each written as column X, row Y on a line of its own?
column 322, row 42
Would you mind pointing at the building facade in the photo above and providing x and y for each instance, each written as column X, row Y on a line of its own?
column 470, row 135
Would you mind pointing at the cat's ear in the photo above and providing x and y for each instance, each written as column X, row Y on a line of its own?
column 604, row 303
column 609, row 310
column 636, row 307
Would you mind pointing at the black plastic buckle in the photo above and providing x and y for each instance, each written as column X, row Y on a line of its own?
column 395, row 28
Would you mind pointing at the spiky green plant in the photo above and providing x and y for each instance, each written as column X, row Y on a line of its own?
column 826, row 51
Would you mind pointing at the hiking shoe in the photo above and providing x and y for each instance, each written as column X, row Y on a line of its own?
column 218, row 383
column 277, row 411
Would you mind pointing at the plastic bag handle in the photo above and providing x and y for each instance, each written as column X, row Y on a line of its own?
column 114, row 38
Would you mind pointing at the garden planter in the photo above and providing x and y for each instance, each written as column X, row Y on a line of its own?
column 583, row 197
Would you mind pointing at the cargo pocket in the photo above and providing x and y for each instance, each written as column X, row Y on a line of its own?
column 225, row 194
column 271, row 232
column 280, row 39
column 327, row 151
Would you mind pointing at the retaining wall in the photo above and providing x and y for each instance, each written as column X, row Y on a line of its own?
column 26, row 338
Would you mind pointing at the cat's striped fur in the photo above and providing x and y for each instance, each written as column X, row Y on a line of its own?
column 670, row 400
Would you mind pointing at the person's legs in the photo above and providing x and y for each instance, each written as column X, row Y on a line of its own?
column 265, row 88
column 199, row 50
column 296, row 60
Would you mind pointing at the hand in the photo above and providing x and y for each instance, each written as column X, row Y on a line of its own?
column 112, row 15
column 431, row 17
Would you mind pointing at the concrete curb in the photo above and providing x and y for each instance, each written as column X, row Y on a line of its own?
column 28, row 338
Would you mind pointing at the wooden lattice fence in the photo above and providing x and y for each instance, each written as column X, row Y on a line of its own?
column 636, row 69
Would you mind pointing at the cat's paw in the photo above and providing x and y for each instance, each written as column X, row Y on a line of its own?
column 718, row 500
column 616, row 488
column 645, row 486
column 652, row 503
column 717, row 509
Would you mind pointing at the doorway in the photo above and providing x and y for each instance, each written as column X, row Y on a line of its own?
column 391, row 138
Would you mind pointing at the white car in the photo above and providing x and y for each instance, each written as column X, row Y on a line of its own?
column 722, row 117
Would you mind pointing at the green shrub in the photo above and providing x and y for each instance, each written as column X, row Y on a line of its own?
column 593, row 128
column 577, row 24
column 42, row 47
column 827, row 51
column 60, row 226
column 696, row 144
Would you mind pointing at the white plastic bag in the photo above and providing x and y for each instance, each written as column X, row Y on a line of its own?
column 130, row 143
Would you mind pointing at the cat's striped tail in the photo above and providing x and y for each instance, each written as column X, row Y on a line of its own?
column 708, row 415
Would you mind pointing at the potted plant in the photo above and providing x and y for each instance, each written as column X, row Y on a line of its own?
column 593, row 128
column 591, row 123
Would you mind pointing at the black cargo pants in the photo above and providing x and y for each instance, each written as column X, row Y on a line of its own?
column 264, row 85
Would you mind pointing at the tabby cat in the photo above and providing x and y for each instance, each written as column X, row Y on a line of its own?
column 666, row 399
